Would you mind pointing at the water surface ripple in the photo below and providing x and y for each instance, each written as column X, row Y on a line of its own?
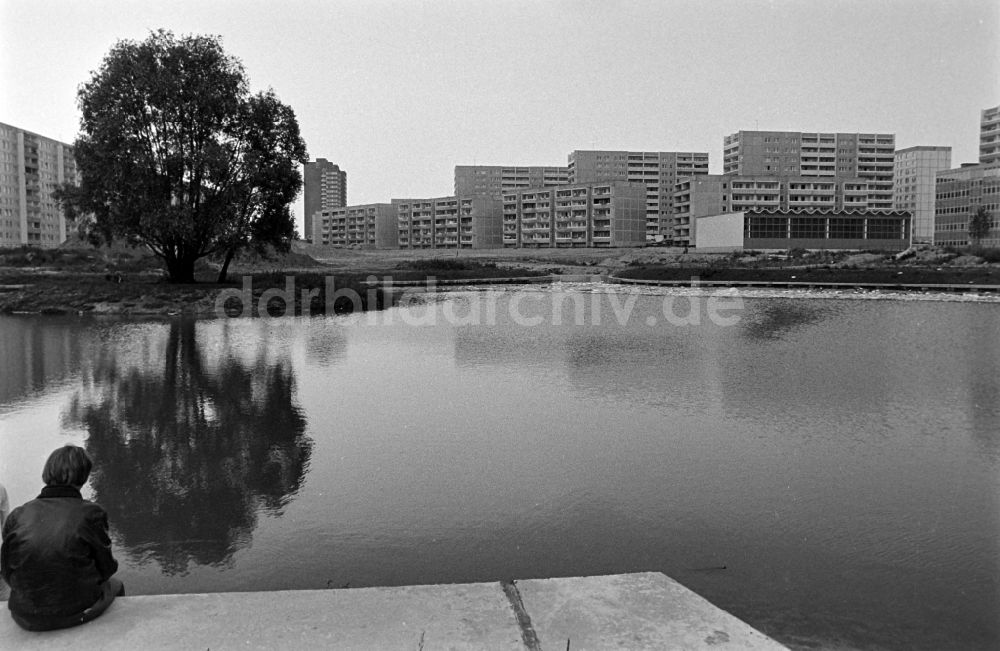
column 826, row 469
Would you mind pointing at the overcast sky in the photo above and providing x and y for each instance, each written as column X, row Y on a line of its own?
column 399, row 92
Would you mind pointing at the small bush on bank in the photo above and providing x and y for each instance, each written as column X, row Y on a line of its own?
column 81, row 258
column 26, row 256
column 827, row 257
column 447, row 264
column 991, row 255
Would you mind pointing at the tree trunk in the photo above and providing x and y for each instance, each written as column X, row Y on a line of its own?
column 225, row 266
column 181, row 270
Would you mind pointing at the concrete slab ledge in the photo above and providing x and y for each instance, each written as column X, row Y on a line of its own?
column 633, row 611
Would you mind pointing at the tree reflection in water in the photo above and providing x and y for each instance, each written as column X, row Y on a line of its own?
column 186, row 455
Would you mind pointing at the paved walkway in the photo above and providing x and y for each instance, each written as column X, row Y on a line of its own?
column 624, row 611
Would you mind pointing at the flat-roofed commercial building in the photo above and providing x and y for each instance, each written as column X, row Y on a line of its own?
column 657, row 170
column 448, row 223
column 493, row 180
column 779, row 229
column 324, row 188
column 716, row 194
column 868, row 156
column 370, row 226
column 989, row 136
column 608, row 214
column 31, row 168
column 960, row 192
column 915, row 180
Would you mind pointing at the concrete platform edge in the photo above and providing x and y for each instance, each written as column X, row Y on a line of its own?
column 635, row 611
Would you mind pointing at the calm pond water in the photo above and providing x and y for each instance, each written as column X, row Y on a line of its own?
column 826, row 469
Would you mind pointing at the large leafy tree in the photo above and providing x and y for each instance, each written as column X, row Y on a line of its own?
column 176, row 153
column 979, row 225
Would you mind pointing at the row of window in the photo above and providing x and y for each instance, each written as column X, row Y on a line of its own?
column 962, row 226
column 952, row 195
column 823, row 228
column 989, row 242
column 969, row 207
column 36, row 237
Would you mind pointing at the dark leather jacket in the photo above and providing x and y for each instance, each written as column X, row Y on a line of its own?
column 56, row 554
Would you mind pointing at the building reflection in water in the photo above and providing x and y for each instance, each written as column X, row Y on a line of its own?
column 187, row 452
column 641, row 359
column 791, row 362
column 983, row 360
column 37, row 354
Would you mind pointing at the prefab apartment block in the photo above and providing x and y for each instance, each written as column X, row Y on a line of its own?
column 915, row 179
column 989, row 136
column 371, row 226
column 866, row 156
column 493, row 180
column 31, row 168
column 578, row 215
column 457, row 222
column 960, row 193
column 657, row 170
column 324, row 187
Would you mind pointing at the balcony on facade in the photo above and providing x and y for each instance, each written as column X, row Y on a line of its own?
column 989, row 136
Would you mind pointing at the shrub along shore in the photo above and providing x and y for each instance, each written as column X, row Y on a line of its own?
column 131, row 282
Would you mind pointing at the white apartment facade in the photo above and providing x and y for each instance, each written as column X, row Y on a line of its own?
column 914, row 185
column 989, row 135
column 31, row 168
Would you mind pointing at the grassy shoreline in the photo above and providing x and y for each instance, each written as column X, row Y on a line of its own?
column 127, row 282
column 61, row 290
